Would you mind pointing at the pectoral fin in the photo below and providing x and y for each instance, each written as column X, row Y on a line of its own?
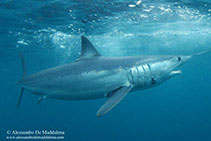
column 20, row 97
column 114, row 98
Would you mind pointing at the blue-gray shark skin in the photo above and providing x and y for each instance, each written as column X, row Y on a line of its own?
column 94, row 76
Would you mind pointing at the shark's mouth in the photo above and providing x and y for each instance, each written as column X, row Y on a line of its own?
column 173, row 73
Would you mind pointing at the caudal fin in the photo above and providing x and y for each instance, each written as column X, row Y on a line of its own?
column 20, row 97
column 23, row 75
column 23, row 64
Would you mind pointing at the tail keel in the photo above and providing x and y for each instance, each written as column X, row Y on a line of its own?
column 23, row 64
column 24, row 74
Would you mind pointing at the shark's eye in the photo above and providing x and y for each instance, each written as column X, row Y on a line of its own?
column 179, row 58
column 153, row 81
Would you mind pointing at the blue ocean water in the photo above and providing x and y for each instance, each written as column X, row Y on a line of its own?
column 48, row 34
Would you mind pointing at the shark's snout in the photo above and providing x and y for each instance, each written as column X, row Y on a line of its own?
column 186, row 58
column 181, row 60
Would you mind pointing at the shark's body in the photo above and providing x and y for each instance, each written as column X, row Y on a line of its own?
column 94, row 76
column 91, row 78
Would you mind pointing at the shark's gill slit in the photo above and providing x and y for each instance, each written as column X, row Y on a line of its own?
column 138, row 75
column 150, row 71
column 132, row 78
column 143, row 75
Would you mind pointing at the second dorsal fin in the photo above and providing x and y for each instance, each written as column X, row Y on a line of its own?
column 87, row 49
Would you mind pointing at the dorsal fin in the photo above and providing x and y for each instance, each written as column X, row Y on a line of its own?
column 87, row 49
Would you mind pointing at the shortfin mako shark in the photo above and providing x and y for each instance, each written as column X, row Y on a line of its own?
column 94, row 76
